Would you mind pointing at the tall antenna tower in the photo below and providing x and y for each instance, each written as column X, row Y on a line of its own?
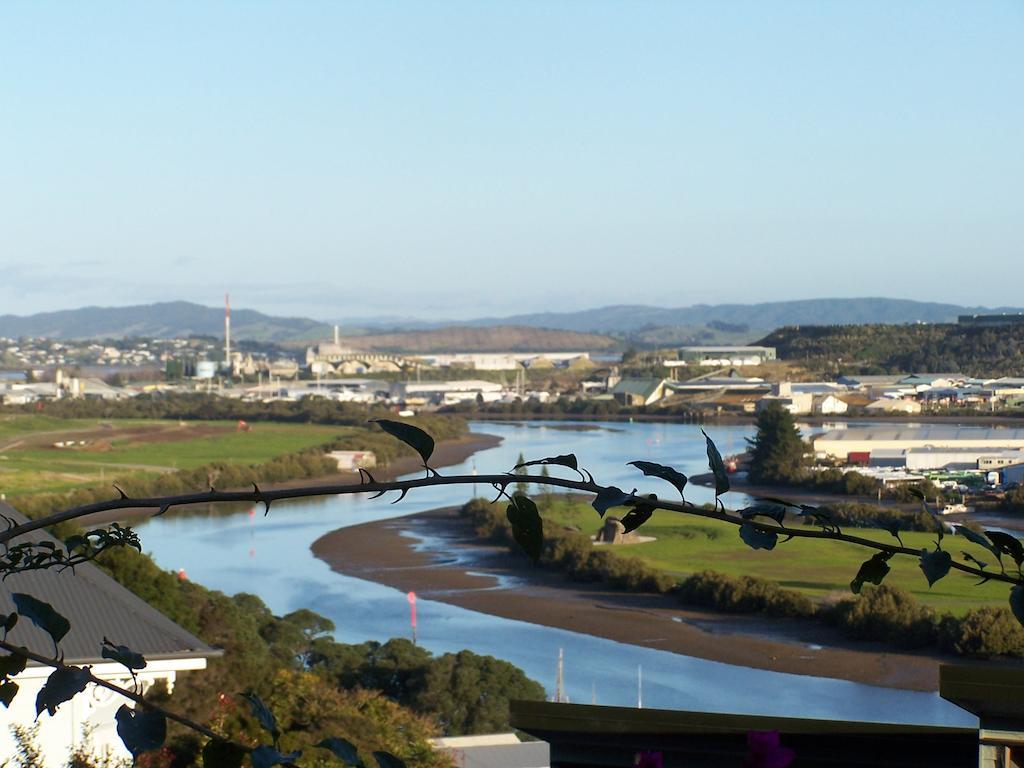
column 560, row 696
column 227, row 333
column 639, row 687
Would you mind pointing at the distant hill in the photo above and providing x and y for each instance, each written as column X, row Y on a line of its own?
column 164, row 320
column 628, row 319
column 501, row 338
column 934, row 348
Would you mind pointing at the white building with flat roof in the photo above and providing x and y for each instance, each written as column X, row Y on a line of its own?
column 841, row 443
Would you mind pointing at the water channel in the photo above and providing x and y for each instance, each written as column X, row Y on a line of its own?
column 270, row 556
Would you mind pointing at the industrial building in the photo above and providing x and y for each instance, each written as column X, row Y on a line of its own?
column 723, row 356
column 924, row 448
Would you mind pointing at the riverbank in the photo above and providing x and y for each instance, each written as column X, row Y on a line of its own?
column 437, row 554
column 732, row 418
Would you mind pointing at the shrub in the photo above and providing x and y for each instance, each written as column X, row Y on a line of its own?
column 747, row 594
column 886, row 613
column 982, row 633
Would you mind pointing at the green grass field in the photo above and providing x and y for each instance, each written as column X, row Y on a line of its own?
column 820, row 569
column 29, row 462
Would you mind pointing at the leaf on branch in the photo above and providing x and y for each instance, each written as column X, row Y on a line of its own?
column 755, row 538
column 872, row 571
column 565, row 460
column 61, row 686
column 717, row 466
column 123, row 655
column 219, row 753
column 412, row 436
column 12, row 664
column 387, row 760
column 8, row 622
column 1005, row 544
column 141, row 730
column 916, row 492
column 343, row 749
column 637, row 516
column 974, row 537
column 935, row 564
column 649, row 468
column 1017, row 603
column 527, row 526
column 969, row 558
column 765, row 509
column 42, row 615
column 893, row 527
column 262, row 713
column 7, row 692
column 610, row 497
column 265, row 756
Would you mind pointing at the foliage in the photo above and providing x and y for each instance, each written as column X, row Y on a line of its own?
column 982, row 633
column 869, row 349
column 747, row 594
column 776, row 451
column 886, row 613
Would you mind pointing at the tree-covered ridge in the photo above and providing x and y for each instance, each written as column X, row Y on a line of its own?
column 866, row 349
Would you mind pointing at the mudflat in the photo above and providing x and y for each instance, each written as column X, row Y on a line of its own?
column 415, row 553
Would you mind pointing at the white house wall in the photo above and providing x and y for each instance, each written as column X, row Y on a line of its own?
column 92, row 710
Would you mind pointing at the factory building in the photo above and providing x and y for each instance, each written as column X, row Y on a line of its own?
column 925, row 448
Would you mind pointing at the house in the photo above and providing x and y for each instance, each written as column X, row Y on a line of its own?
column 97, row 607
column 784, row 394
column 633, row 392
column 893, row 405
column 828, row 405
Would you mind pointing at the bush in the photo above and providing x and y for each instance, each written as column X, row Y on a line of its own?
column 982, row 633
column 886, row 613
column 747, row 594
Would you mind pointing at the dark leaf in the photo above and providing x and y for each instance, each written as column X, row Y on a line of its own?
column 1017, row 603
column 42, row 615
column 61, row 686
column 893, row 527
column 9, row 622
column 222, row 754
column 7, row 692
column 649, row 468
column 1005, row 544
column 935, row 564
column 717, row 466
column 637, row 516
column 265, row 756
column 969, row 558
column 974, row 538
column 412, row 436
column 123, row 655
column 764, row 509
column 755, row 538
column 871, row 571
column 12, row 664
column 913, row 490
column 343, row 749
column 781, row 502
column 566, row 460
column 527, row 526
column 609, row 497
column 387, row 760
column 262, row 713
column 141, row 730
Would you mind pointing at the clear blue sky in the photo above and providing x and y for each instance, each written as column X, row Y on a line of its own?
column 460, row 159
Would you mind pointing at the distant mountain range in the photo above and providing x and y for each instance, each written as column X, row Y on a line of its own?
column 631, row 323
column 172, row 319
column 625, row 319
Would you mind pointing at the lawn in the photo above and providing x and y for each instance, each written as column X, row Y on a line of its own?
column 820, row 569
column 29, row 462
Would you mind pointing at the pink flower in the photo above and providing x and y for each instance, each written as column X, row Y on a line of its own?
column 648, row 760
column 766, row 752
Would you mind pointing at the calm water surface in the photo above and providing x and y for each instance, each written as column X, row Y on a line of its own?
column 271, row 557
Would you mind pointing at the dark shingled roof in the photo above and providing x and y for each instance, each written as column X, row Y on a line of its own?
column 97, row 607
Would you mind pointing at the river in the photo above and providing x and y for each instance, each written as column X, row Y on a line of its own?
column 270, row 556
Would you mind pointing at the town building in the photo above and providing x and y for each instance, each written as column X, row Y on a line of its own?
column 870, row 440
column 636, row 392
column 718, row 357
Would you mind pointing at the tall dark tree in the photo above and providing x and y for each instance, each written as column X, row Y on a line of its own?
column 777, row 451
